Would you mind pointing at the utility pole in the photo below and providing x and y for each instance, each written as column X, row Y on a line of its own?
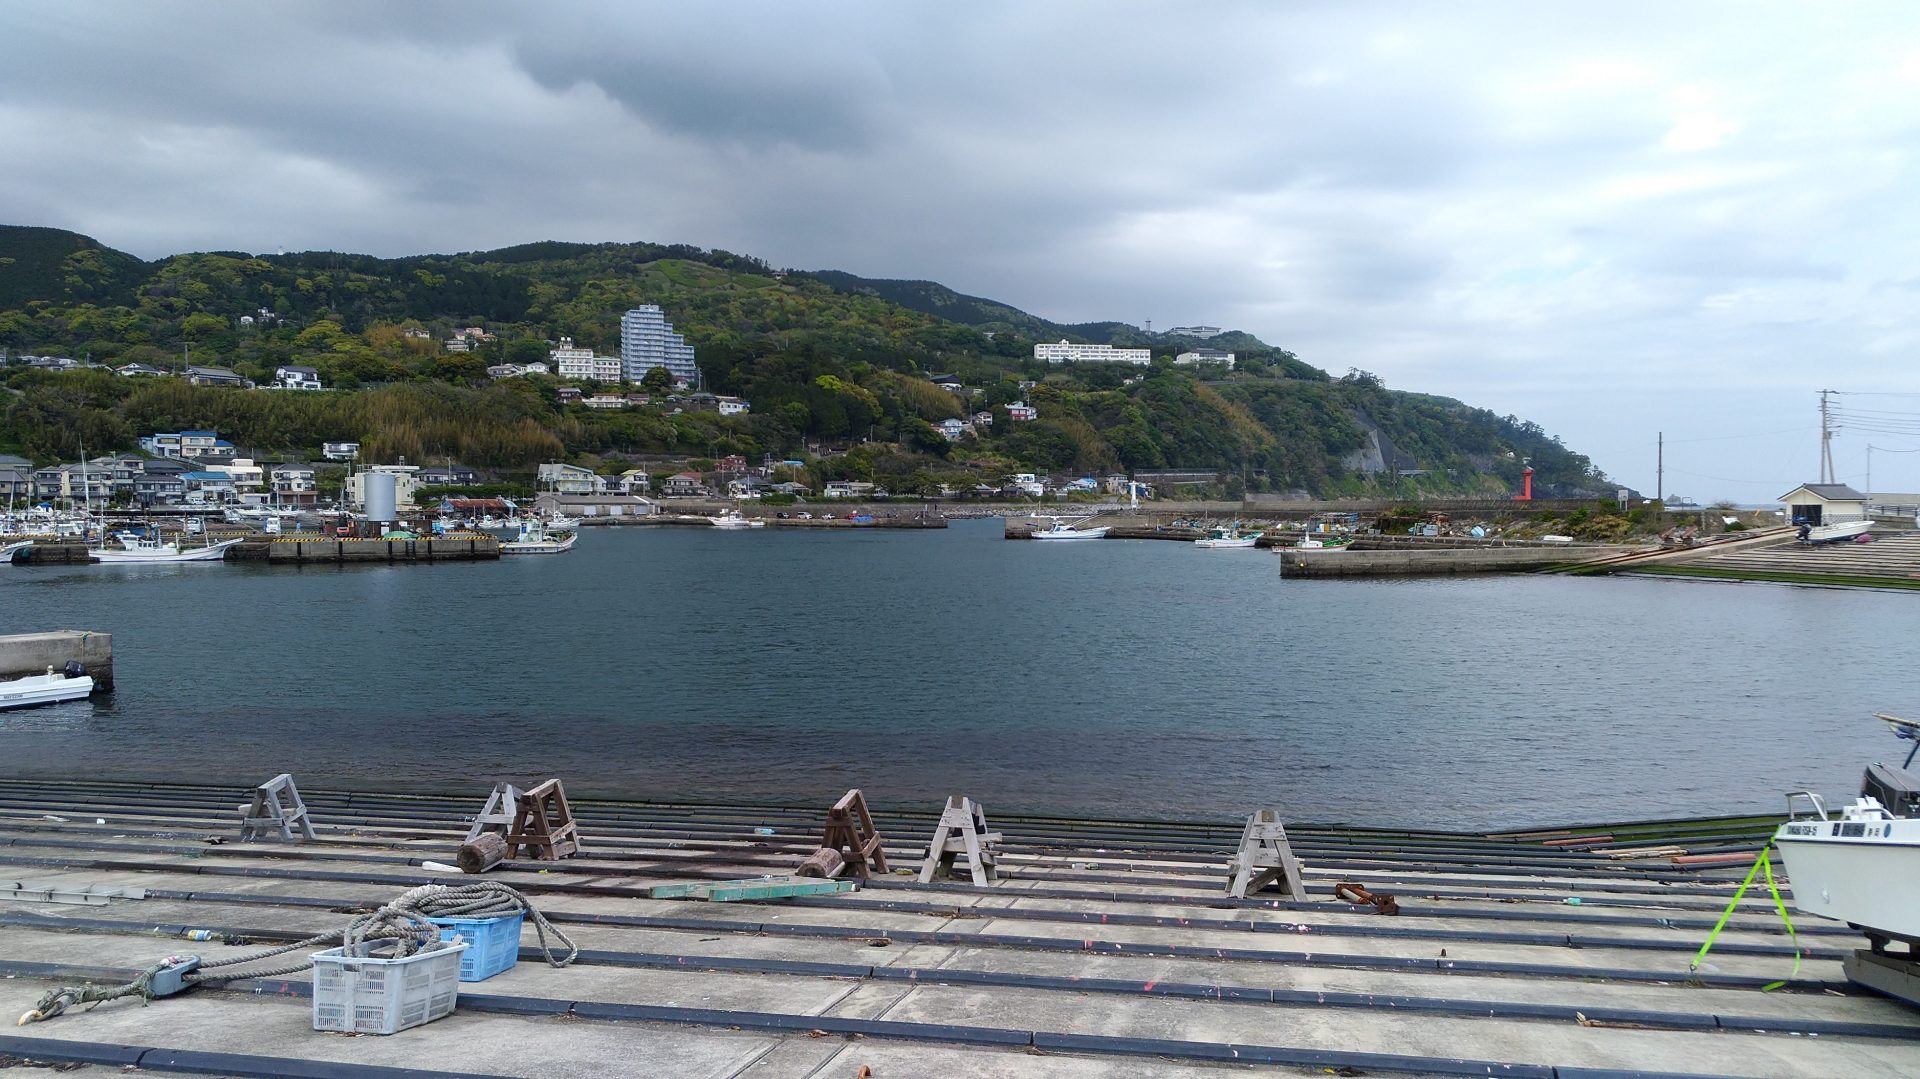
column 1660, row 469
column 1826, row 439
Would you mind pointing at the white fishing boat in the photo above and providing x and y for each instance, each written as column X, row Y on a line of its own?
column 1861, row 867
column 1228, row 537
column 137, row 548
column 7, row 549
column 536, row 538
column 1328, row 544
column 735, row 519
column 69, row 684
column 561, row 520
column 1063, row 530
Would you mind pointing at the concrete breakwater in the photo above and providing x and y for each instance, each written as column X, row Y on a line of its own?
column 303, row 550
column 1436, row 562
column 466, row 547
column 32, row 653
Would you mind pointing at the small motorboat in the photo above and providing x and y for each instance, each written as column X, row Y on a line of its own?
column 68, row 684
column 1328, row 544
column 1063, row 530
column 1862, row 867
column 1836, row 532
column 8, row 550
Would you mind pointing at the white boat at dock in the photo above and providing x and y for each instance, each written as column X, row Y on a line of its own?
column 7, row 550
column 55, row 686
column 1228, row 537
column 536, row 538
column 150, row 548
column 1063, row 530
column 1327, row 545
column 735, row 519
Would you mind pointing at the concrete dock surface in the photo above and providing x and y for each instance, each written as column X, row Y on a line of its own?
column 1106, row 950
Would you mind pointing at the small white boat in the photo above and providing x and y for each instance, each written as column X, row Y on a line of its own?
column 536, row 538
column 150, row 548
column 1063, row 530
column 52, row 687
column 1862, row 867
column 1309, row 543
column 735, row 519
column 561, row 520
column 1837, row 532
column 7, row 549
column 1228, row 538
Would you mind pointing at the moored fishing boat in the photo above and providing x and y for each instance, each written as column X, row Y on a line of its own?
column 7, row 550
column 1228, row 537
column 1063, row 530
column 536, row 538
column 150, row 548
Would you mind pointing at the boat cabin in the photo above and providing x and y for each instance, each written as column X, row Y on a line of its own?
column 1824, row 503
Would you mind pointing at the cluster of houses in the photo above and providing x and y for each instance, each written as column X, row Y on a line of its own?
column 979, row 422
column 158, row 481
column 285, row 377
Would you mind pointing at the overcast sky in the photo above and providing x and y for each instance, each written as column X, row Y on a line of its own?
column 1612, row 219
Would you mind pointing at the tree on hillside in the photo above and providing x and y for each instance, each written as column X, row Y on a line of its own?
column 656, row 380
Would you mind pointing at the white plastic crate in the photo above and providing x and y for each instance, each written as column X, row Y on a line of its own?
column 368, row 994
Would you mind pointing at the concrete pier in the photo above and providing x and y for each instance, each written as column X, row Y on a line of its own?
column 1106, row 949
column 303, row 551
column 53, row 554
column 1348, row 563
column 33, row 653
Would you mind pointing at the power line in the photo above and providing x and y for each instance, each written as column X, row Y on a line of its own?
column 1753, row 434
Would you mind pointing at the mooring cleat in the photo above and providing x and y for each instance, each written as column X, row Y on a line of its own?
column 169, row 975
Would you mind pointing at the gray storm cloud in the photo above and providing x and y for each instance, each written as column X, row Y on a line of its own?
column 1611, row 221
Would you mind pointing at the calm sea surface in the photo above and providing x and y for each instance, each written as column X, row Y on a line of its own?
column 1120, row 678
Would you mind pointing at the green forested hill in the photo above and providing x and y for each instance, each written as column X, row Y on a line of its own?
column 831, row 362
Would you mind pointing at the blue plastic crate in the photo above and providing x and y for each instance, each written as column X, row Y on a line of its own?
column 493, row 943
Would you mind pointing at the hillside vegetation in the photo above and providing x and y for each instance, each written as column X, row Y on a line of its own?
column 836, row 368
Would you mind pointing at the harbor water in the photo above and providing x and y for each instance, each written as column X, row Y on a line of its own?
column 1118, row 678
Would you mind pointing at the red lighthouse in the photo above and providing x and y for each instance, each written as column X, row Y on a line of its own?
column 1526, row 489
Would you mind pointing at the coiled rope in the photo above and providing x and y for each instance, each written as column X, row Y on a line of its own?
column 403, row 922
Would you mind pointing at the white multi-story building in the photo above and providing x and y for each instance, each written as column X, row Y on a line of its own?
column 647, row 341
column 1204, row 355
column 1195, row 331
column 1068, row 352
column 571, row 362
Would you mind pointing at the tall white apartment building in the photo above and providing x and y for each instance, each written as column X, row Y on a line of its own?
column 1066, row 352
column 571, row 362
column 1194, row 331
column 647, row 341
